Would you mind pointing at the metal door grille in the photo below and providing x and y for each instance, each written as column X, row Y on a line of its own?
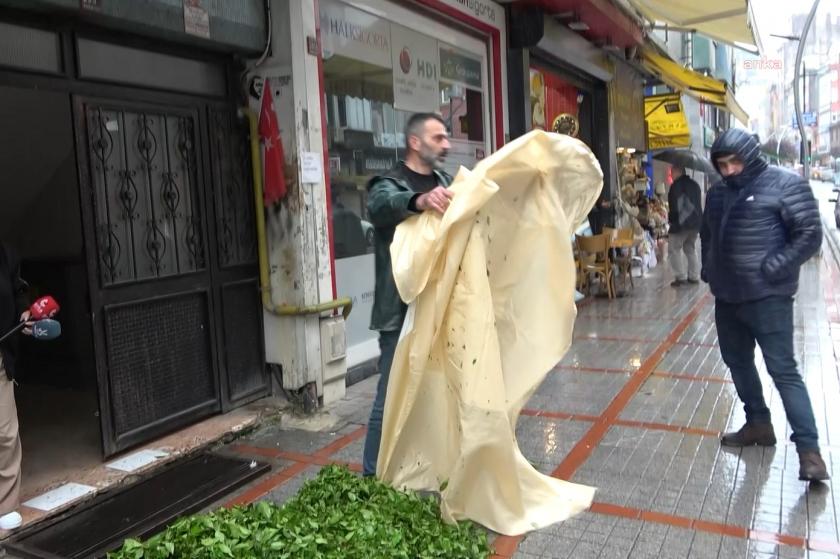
column 159, row 357
column 244, row 337
column 233, row 190
column 147, row 211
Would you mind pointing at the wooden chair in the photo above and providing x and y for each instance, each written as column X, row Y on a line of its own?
column 594, row 256
column 623, row 241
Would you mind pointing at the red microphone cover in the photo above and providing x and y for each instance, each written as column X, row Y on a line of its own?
column 44, row 307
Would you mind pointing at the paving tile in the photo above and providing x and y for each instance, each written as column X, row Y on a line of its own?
column 701, row 405
column 289, row 489
column 666, row 471
column 291, row 440
column 351, row 453
column 545, row 441
column 599, row 354
column 594, row 327
column 577, row 392
column 694, row 361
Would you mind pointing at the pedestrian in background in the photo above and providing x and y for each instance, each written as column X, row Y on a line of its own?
column 685, row 215
column 761, row 223
column 414, row 185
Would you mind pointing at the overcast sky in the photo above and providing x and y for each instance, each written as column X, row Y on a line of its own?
column 773, row 17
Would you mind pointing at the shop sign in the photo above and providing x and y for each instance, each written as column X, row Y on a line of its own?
column 667, row 126
column 627, row 107
column 459, row 68
column 355, row 34
column 486, row 11
column 196, row 19
column 414, row 59
column 379, row 164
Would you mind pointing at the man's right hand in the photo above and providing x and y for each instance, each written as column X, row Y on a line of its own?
column 436, row 199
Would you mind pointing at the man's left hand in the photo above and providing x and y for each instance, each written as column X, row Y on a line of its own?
column 24, row 317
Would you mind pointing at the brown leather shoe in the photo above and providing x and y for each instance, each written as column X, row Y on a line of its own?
column 760, row 434
column 811, row 466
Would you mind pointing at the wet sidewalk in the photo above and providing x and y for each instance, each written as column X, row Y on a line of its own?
column 636, row 408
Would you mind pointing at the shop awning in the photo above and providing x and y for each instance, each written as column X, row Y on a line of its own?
column 727, row 21
column 703, row 88
column 666, row 122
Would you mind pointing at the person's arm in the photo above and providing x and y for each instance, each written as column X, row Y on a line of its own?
column 800, row 215
column 705, row 240
column 387, row 203
column 672, row 203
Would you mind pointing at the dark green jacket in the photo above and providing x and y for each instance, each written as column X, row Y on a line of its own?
column 387, row 204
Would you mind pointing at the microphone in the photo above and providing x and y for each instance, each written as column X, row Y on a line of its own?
column 46, row 329
column 43, row 308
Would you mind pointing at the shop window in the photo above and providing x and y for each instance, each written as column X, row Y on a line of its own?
column 365, row 139
column 377, row 73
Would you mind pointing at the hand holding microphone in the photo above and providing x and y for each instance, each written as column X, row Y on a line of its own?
column 46, row 329
column 30, row 320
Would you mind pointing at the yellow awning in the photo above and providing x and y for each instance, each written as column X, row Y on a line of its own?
column 704, row 88
column 666, row 122
column 727, row 21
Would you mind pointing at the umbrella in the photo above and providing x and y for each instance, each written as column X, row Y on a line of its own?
column 686, row 159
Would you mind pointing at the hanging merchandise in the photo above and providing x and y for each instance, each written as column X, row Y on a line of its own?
column 490, row 287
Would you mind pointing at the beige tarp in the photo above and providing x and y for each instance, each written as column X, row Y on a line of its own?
column 727, row 21
column 490, row 286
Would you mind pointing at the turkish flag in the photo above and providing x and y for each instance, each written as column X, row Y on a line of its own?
column 274, row 183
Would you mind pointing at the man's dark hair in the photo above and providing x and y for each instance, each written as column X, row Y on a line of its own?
column 415, row 124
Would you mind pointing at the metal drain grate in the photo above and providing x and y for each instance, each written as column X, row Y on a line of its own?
column 138, row 511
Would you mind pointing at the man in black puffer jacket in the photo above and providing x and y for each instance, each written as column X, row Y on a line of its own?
column 761, row 223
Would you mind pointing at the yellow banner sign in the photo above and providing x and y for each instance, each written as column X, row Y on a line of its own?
column 666, row 123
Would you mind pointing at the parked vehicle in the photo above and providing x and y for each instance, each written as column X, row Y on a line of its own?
column 827, row 174
column 837, row 172
column 837, row 213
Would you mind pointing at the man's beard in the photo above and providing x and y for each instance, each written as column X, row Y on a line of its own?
column 430, row 158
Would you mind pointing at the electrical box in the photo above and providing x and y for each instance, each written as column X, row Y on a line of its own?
column 333, row 358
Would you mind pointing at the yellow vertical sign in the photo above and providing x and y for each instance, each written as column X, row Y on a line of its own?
column 667, row 126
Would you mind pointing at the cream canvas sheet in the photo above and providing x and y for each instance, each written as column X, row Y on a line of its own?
column 490, row 287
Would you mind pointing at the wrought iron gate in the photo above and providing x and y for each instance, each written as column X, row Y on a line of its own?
column 170, row 241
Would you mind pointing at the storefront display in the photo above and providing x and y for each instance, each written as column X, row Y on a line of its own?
column 555, row 103
column 377, row 73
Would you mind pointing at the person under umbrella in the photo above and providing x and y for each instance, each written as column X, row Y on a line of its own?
column 685, row 215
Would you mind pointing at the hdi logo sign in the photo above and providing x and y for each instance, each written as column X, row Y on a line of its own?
column 425, row 70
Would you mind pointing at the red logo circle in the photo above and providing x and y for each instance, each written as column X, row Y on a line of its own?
column 405, row 60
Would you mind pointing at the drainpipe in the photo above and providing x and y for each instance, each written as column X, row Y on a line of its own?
column 344, row 303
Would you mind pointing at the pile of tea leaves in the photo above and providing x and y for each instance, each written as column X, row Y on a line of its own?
column 337, row 515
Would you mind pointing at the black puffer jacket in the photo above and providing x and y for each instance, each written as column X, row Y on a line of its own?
column 759, row 226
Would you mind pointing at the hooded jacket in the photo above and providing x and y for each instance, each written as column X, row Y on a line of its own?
column 685, row 208
column 758, row 228
column 389, row 198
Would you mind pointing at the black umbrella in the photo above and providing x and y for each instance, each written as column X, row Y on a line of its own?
column 686, row 159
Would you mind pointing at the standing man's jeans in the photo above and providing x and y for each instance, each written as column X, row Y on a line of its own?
column 770, row 323
column 387, row 346
column 682, row 248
